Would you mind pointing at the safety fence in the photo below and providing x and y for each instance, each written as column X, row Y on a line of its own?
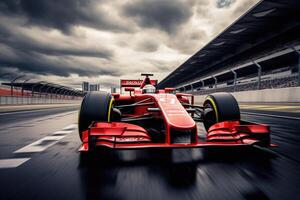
column 19, row 100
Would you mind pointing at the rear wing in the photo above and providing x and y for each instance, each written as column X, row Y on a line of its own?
column 135, row 83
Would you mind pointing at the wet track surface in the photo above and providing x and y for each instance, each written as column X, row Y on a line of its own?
column 53, row 169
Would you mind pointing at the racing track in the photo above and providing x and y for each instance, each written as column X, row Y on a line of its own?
column 39, row 160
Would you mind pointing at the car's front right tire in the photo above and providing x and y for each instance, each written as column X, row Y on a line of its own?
column 219, row 107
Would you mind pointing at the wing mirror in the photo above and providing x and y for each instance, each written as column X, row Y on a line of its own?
column 129, row 89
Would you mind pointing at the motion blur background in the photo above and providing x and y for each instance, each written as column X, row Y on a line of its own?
column 53, row 52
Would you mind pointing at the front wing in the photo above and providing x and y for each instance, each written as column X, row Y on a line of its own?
column 119, row 135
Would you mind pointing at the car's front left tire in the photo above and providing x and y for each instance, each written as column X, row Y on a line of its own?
column 95, row 106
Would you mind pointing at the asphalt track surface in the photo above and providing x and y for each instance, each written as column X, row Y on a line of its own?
column 39, row 160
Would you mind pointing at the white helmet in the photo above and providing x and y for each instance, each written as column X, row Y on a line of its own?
column 149, row 89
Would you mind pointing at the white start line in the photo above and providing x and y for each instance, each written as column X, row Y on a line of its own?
column 37, row 146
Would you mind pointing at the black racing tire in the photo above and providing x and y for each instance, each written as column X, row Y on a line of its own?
column 219, row 107
column 95, row 106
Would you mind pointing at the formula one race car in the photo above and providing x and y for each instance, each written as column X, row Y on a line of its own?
column 151, row 118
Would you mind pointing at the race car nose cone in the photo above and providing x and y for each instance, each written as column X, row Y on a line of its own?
column 174, row 113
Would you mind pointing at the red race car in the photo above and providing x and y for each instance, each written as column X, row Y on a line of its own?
column 151, row 118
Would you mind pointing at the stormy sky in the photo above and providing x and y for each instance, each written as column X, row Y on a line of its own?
column 102, row 41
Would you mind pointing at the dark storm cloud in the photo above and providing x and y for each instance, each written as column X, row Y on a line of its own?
column 29, row 62
column 44, row 65
column 14, row 39
column 224, row 3
column 165, row 15
column 62, row 14
column 28, row 52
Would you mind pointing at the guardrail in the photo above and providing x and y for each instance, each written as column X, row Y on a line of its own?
column 19, row 100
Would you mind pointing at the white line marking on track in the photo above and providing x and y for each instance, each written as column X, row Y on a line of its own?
column 61, row 132
column 71, row 126
column 28, row 111
column 40, row 145
column 20, row 112
column 12, row 163
column 37, row 146
column 269, row 115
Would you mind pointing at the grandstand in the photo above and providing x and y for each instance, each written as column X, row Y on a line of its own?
column 260, row 50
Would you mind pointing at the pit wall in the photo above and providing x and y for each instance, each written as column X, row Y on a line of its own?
column 280, row 95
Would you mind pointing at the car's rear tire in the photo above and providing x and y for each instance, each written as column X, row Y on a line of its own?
column 220, row 107
column 95, row 106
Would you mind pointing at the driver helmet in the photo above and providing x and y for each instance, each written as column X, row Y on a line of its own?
column 149, row 89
